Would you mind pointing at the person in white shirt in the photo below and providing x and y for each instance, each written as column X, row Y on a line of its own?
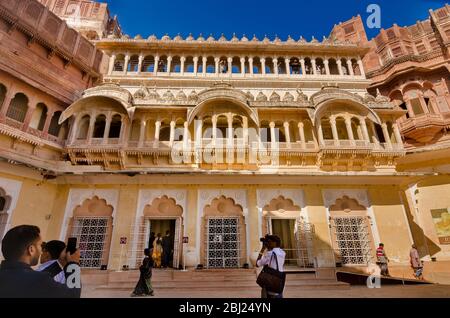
column 53, row 260
column 271, row 247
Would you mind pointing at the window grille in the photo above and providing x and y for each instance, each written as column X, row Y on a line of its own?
column 352, row 239
column 92, row 236
column 222, row 243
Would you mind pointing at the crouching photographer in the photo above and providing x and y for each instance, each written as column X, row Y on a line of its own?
column 22, row 249
column 271, row 257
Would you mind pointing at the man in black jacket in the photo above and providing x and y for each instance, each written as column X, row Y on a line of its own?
column 167, row 245
column 22, row 248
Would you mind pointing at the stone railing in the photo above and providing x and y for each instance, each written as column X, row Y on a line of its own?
column 421, row 121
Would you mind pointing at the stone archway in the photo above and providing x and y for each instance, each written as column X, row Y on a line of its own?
column 5, row 203
column 282, row 217
column 92, row 225
column 164, row 213
column 351, row 232
column 224, row 235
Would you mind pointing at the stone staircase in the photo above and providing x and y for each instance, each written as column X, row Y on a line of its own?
column 210, row 280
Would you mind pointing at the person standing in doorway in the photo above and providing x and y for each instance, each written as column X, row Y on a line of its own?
column 167, row 245
column 157, row 250
column 416, row 262
column 151, row 240
column 382, row 260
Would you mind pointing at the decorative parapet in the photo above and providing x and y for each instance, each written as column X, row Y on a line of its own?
column 41, row 25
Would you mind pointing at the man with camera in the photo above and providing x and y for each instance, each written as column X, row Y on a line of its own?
column 272, row 258
column 22, row 248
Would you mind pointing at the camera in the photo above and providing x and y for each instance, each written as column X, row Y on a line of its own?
column 265, row 239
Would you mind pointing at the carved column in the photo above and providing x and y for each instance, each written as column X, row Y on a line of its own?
column 230, row 65
column 216, row 66
column 287, row 134
column 348, row 124
column 362, row 120
column 214, row 129
column 334, row 130
column 301, row 132
column 250, row 62
column 127, row 61
column 141, row 59
column 157, row 132
column 313, row 65
column 169, row 64
column 91, row 127
column 172, row 132
column 243, row 65
column 182, row 61
column 107, row 128
column 195, row 65
column 272, row 132
column 230, row 130
column 112, row 61
column 275, row 66
column 263, row 65
column 361, row 67
column 339, row 66
column 204, row 60
column 320, row 134
column 155, row 68
column 327, row 66
column 386, row 135
column 350, row 67
column 142, row 133
column 198, row 126
column 398, row 135
column 302, row 63
column 288, row 69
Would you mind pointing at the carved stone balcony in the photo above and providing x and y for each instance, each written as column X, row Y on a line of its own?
column 423, row 128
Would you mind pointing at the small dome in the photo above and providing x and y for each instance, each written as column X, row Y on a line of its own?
column 255, row 39
column 223, row 38
column 244, row 38
column 178, row 37
column 190, row 37
column 152, row 37
column 166, row 37
column 200, row 38
column 210, row 38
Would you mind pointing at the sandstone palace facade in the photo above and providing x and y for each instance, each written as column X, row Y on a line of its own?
column 334, row 144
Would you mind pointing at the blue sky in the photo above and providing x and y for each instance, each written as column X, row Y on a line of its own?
column 260, row 17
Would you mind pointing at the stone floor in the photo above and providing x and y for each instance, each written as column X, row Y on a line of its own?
column 420, row 291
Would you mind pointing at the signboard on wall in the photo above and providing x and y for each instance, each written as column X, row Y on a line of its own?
column 441, row 220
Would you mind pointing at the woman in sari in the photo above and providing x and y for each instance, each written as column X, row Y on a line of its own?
column 157, row 250
column 144, row 285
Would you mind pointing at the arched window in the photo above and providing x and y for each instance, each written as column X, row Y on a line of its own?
column 116, row 126
column 83, row 127
column 175, row 65
column 148, row 64
column 308, row 66
column 257, row 69
column 162, row 64
column 99, row 126
column 333, row 67
column 4, row 206
column 3, row 91
column 236, row 65
column 18, row 107
column 210, row 65
column 119, row 63
column 133, row 64
column 39, row 117
column 344, row 67
column 327, row 132
column 341, row 129
column 269, row 66
column 164, row 133
column 189, row 65
column 54, row 125
column 356, row 129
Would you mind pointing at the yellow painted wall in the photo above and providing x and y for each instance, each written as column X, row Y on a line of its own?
column 392, row 224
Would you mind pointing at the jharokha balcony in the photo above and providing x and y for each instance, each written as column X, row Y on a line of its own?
column 424, row 128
